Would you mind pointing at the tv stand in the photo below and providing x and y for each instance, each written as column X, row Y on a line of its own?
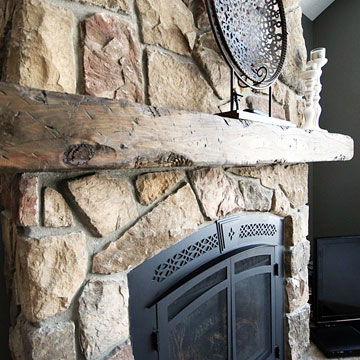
column 337, row 340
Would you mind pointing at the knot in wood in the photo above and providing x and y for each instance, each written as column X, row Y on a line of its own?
column 78, row 154
column 177, row 160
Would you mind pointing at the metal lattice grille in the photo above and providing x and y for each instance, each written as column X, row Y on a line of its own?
column 251, row 230
column 177, row 261
column 252, row 36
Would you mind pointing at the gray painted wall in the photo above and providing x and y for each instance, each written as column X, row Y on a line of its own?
column 308, row 29
column 336, row 186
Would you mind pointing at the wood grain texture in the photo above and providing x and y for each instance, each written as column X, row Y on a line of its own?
column 48, row 131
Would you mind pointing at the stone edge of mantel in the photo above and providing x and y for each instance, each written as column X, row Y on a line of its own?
column 49, row 131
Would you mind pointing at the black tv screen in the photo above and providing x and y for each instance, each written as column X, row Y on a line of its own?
column 337, row 279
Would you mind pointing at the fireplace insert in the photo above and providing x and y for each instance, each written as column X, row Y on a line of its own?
column 216, row 295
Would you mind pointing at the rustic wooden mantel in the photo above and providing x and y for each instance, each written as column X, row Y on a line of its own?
column 48, row 131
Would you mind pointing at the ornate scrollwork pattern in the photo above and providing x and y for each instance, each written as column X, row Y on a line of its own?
column 252, row 36
column 177, row 261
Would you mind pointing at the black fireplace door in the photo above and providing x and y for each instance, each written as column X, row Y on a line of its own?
column 227, row 312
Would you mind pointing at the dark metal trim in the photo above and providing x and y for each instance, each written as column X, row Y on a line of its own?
column 165, row 325
column 162, row 305
column 260, row 250
column 195, row 304
column 253, row 272
column 168, row 299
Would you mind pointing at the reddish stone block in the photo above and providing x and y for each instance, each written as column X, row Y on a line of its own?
column 112, row 58
column 28, row 201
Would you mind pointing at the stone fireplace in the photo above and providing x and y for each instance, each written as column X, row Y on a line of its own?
column 78, row 237
column 93, row 189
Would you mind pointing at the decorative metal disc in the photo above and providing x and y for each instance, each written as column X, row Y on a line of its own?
column 252, row 37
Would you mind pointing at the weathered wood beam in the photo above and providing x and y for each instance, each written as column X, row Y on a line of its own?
column 48, row 131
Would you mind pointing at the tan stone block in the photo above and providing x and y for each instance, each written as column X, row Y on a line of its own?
column 292, row 179
column 296, row 226
column 256, row 197
column 180, row 87
column 262, row 103
column 253, row 172
column 218, row 193
column 112, row 58
column 298, row 333
column 296, row 55
column 293, row 110
column 169, row 24
column 207, row 53
column 53, row 341
column 103, row 317
column 301, row 105
column 290, row 4
column 28, row 213
column 107, row 203
column 294, row 183
column 297, row 258
column 49, row 272
column 172, row 220
column 41, row 52
column 56, row 211
column 297, row 291
column 279, row 92
column 150, row 187
column 280, row 204
column 115, row 5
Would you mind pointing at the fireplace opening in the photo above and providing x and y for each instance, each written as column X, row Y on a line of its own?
column 216, row 295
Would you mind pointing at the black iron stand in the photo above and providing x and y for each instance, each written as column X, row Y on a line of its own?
column 234, row 112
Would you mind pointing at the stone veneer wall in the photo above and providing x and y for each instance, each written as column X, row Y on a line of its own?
column 157, row 52
column 71, row 239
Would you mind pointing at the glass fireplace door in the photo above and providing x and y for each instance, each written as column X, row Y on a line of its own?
column 253, row 305
column 193, row 320
column 223, row 313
